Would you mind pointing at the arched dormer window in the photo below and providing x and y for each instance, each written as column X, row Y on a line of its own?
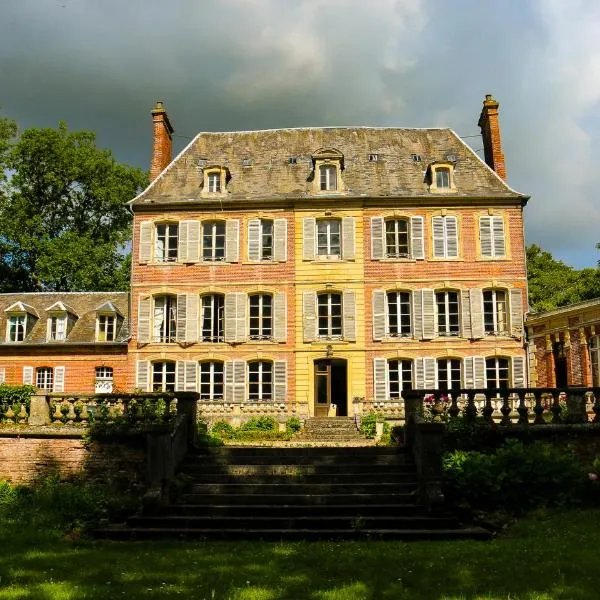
column 440, row 177
column 328, row 164
column 214, row 180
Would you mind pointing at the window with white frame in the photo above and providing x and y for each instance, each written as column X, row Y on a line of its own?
column 491, row 237
column 594, row 347
column 328, row 178
column 104, row 380
column 213, row 181
column 496, row 373
column 495, row 316
column 165, row 243
column 213, row 240
column 44, row 378
column 57, row 328
column 329, row 237
column 399, row 377
column 211, row 380
column 163, row 376
column 396, row 238
column 213, row 311
column 17, row 328
column 398, row 314
column 261, row 317
column 445, row 236
column 106, row 328
column 329, row 316
column 442, row 177
column 165, row 319
column 448, row 323
column 266, row 240
column 260, row 380
column 448, row 374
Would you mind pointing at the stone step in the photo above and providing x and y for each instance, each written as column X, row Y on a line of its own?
column 302, row 488
column 351, row 478
column 197, row 470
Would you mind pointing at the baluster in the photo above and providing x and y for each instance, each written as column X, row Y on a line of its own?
column 453, row 410
column 596, row 408
column 10, row 414
column 556, row 409
column 83, row 413
column 471, row 409
column 538, row 410
column 505, row 409
column 70, row 415
column 58, row 415
column 522, row 409
column 488, row 410
column 23, row 416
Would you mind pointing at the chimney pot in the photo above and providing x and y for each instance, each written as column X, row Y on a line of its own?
column 490, row 132
column 162, row 140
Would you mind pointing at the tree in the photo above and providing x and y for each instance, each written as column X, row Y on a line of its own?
column 64, row 222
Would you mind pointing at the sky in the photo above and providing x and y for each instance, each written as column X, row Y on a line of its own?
column 223, row 65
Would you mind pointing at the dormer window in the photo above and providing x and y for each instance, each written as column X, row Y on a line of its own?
column 60, row 321
column 328, row 165
column 214, row 182
column 441, row 178
column 20, row 318
column 107, row 322
column 328, row 177
column 214, row 179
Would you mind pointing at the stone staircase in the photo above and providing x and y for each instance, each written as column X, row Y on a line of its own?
column 295, row 493
column 332, row 431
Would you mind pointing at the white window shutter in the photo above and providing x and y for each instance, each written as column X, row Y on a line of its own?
column 477, row 329
column 180, row 376
column 181, row 318
column 146, row 228
column 144, row 310
column 498, row 235
column 377, row 238
column 27, row 375
column 229, row 381
column 419, row 367
column 280, row 240
column 191, row 376
column 439, row 237
column 380, row 386
column 239, row 380
column 349, row 315
column 428, row 306
column 516, row 312
column 379, row 320
column 518, row 372
column 309, row 226
column 142, row 375
column 193, row 242
column 2, row 374
column 240, row 316
column 479, row 370
column 182, row 241
column 280, row 380
column 192, row 320
column 232, row 240
column 417, row 238
column 279, row 317
column 417, row 314
column 465, row 314
column 309, row 316
column 348, row 226
column 59, row 379
column 254, row 239
column 451, row 237
column 231, row 317
column 429, row 372
column 468, row 373
column 485, row 236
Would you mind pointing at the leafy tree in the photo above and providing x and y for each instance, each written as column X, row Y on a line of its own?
column 63, row 219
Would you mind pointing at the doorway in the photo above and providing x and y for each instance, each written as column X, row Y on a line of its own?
column 560, row 364
column 331, row 385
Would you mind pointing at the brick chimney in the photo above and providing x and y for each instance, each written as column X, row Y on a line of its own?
column 162, row 141
column 490, row 132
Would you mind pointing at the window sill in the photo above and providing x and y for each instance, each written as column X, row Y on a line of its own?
column 442, row 259
column 492, row 258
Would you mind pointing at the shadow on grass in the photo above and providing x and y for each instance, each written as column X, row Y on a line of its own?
column 545, row 557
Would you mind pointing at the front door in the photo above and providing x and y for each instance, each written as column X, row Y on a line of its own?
column 331, row 387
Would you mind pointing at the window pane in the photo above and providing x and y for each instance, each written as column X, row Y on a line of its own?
column 442, row 178
column 266, row 240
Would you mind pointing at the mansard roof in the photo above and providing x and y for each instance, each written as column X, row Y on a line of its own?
column 84, row 305
column 260, row 166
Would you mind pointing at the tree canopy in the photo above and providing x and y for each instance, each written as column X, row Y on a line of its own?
column 64, row 223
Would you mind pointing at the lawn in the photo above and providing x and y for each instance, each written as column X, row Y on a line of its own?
column 546, row 556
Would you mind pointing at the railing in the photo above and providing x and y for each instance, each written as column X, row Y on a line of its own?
column 219, row 408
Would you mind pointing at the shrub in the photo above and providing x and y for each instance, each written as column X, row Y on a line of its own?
column 463, row 434
column 293, row 424
column 222, row 430
column 12, row 396
column 264, row 423
column 368, row 425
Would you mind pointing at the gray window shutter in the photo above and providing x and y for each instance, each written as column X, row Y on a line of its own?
column 451, row 237
column 232, row 240
column 280, row 380
column 474, row 372
column 191, row 322
column 439, row 241
column 419, row 367
column 229, row 381
column 146, row 228
column 485, row 236
column 181, row 317
column 425, row 373
column 144, row 310
column 182, row 241
column 309, row 316
column 417, row 316
column 379, row 321
column 428, row 307
column 27, row 375
column 348, row 251
column 309, row 226
column 240, row 327
column 2, row 374
column 180, row 376
column 516, row 312
column 59, row 379
column 417, row 237
column 477, row 329
column 380, row 378
column 186, row 375
column 235, row 316
column 279, row 317
column 254, row 239
column 479, row 369
column 465, row 314
column 192, row 251
column 518, row 371
column 349, row 317
column 239, row 380
column 377, row 238
column 280, row 240
column 142, row 375
column 498, row 235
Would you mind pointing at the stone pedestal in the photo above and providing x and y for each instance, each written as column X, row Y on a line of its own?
column 39, row 411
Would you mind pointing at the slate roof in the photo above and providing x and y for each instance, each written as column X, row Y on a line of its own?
column 82, row 304
column 270, row 175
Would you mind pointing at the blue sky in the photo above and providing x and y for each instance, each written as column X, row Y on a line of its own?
column 248, row 64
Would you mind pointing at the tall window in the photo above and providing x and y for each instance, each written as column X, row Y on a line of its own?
column 328, row 177
column 57, row 328
column 496, row 373
column 266, row 240
column 165, row 319
column 17, row 328
column 445, row 236
column 442, row 177
column 595, row 359
column 261, row 317
column 328, row 237
column 447, row 313
column 214, row 182
column 163, row 376
column 398, row 314
column 399, row 377
column 329, row 315
column 491, row 236
column 396, row 238
column 104, row 380
column 213, row 308
column 213, row 240
column 448, row 374
column 44, row 378
column 260, row 380
column 211, row 380
column 165, row 247
column 107, row 326
column 494, row 312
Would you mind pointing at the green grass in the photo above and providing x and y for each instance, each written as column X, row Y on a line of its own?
column 546, row 556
